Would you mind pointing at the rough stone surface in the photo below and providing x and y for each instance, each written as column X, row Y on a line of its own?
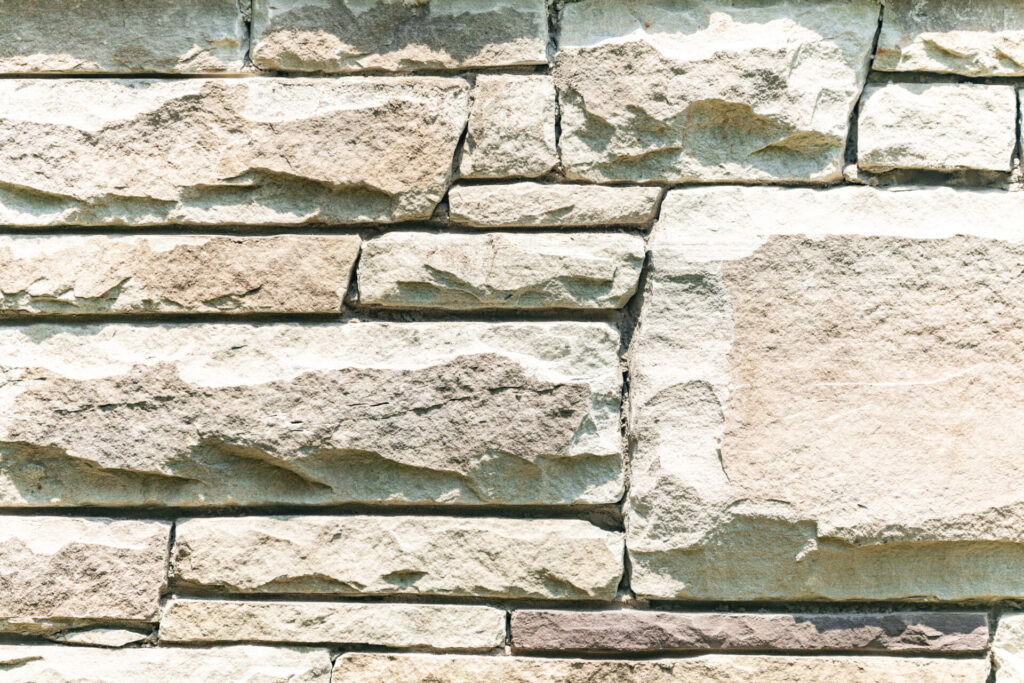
column 364, row 555
column 101, row 637
column 58, row 572
column 223, row 151
column 937, row 127
column 222, row 414
column 59, row 664
column 413, row 668
column 111, row 36
column 511, row 128
column 462, row 627
column 637, row 631
column 397, row 35
column 1008, row 648
column 710, row 90
column 529, row 205
column 970, row 37
column 98, row 274
column 500, row 270
column 823, row 392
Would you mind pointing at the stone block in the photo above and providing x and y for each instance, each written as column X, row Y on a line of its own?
column 533, row 205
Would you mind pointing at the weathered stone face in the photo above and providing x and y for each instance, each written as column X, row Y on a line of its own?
column 829, row 413
column 970, row 37
column 710, row 91
column 221, row 151
column 530, row 205
column 242, row 414
column 483, row 557
column 1008, row 648
column 59, row 572
column 500, row 270
column 394, row 35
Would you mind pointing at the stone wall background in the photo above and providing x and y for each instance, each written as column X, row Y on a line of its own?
column 452, row 340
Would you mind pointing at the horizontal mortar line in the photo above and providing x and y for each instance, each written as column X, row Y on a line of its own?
column 789, row 606
column 335, row 647
column 363, row 232
column 460, row 72
column 760, row 652
column 880, row 77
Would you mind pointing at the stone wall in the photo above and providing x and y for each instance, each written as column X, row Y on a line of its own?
column 459, row 341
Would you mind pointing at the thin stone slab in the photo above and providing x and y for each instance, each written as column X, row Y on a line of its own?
column 793, row 340
column 355, row 667
column 979, row 38
column 179, row 414
column 454, row 627
column 1008, row 648
column 397, row 35
column 366, row 555
column 61, row 572
column 112, row 36
column 937, row 127
column 640, row 631
column 710, row 90
column 500, row 270
column 102, row 637
column 66, row 274
column 534, row 205
column 63, row 664
column 257, row 151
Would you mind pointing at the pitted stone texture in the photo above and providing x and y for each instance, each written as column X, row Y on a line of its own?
column 111, row 36
column 500, row 270
column 638, row 631
column 286, row 413
column 208, row 274
column 971, row 37
column 62, row 664
column 397, row 35
column 101, row 637
column 64, row 571
column 456, row 627
column 260, row 151
column 1008, row 648
column 793, row 340
column 364, row 555
column 710, row 90
column 533, row 205
column 414, row 668
column 937, row 127
column 511, row 128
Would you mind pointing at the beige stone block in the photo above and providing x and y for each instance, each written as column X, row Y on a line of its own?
column 534, row 205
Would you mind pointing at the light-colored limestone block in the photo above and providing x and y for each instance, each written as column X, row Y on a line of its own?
column 179, row 414
column 1008, row 648
column 101, row 637
column 710, row 90
column 258, row 151
column 533, row 205
column 365, row 555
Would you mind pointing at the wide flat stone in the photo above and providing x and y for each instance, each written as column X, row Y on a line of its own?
column 111, row 36
column 1008, row 648
column 355, row 667
column 710, row 90
column 534, row 205
column 366, row 555
column 500, row 270
column 179, row 414
column 456, row 627
column 639, row 631
column 395, row 35
column 937, row 127
column 71, row 274
column 511, row 128
column 60, row 572
column 62, row 664
column 257, row 151
column 979, row 38
column 823, row 391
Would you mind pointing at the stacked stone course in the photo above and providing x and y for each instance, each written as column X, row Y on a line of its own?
column 457, row 341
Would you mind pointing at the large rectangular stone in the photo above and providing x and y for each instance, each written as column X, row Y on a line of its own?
column 710, row 90
column 639, row 631
column 113, row 36
column 364, row 555
column 260, row 151
column 500, row 270
column 397, row 35
column 533, row 205
column 180, row 274
column 177, row 414
column 456, row 627
column 61, row 572
column 824, row 391
column 355, row 667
